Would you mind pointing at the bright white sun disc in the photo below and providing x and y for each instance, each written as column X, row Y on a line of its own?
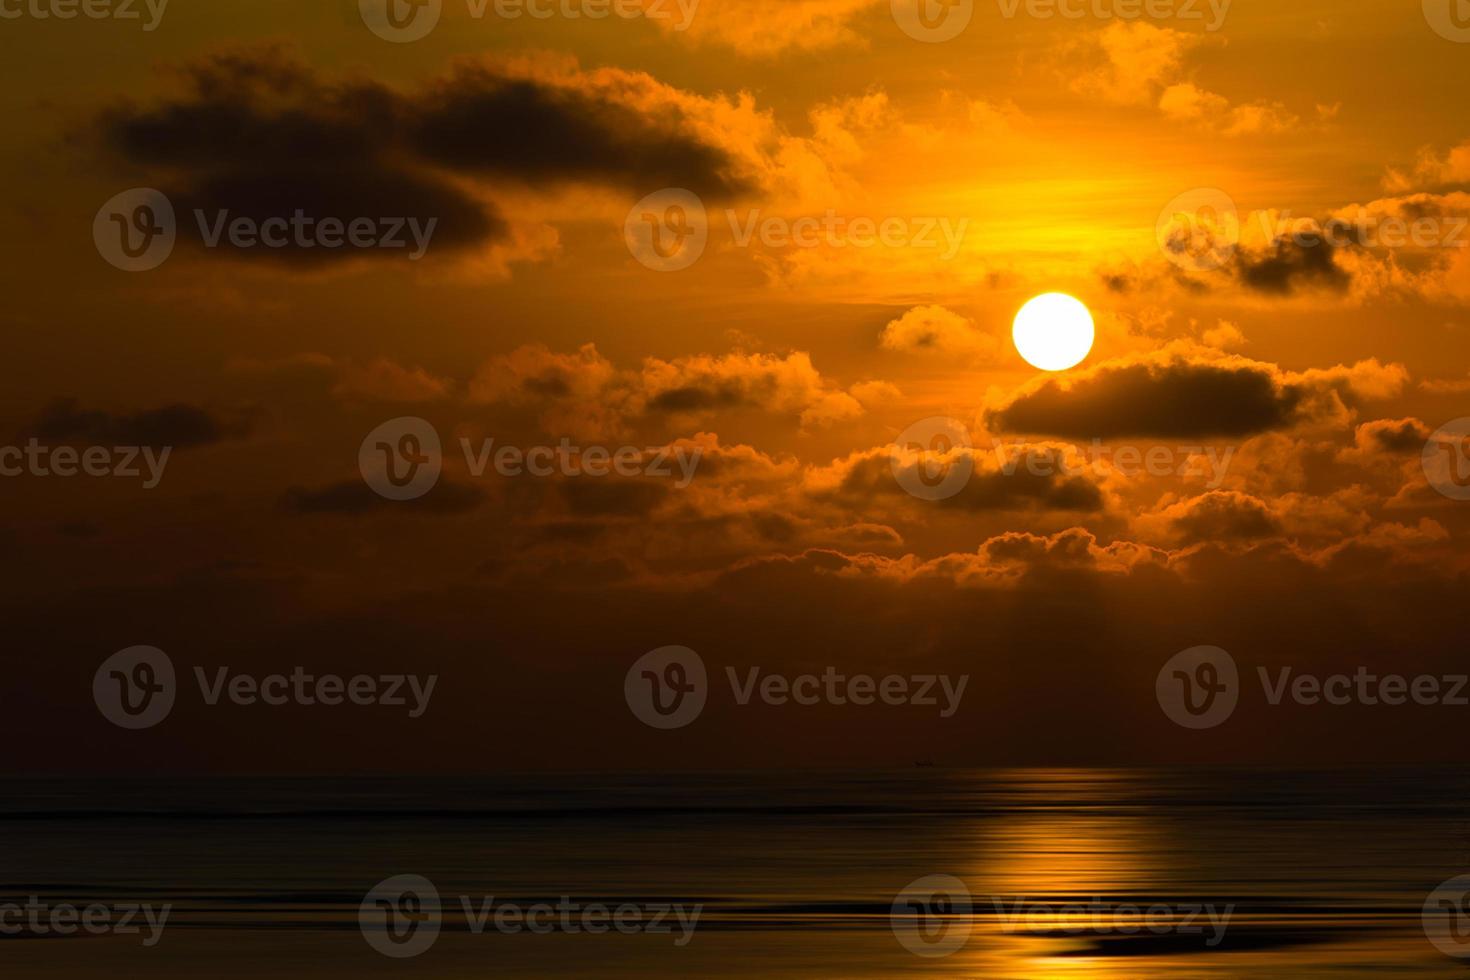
column 1054, row 332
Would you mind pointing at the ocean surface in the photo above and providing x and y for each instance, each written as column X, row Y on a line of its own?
column 1060, row 874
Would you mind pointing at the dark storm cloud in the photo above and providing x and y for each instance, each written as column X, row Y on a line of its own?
column 180, row 426
column 1180, row 398
column 262, row 136
column 1294, row 263
column 1289, row 266
column 480, row 122
column 1025, row 487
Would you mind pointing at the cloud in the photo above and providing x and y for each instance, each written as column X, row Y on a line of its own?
column 261, row 135
column 380, row 379
column 757, row 28
column 1224, row 336
column 1136, row 63
column 934, row 329
column 1393, row 436
column 1135, row 60
column 1003, row 561
column 537, row 126
column 1412, row 246
column 1187, row 393
column 1220, row 516
column 1031, row 477
column 1431, row 170
column 788, row 385
column 384, row 380
column 1187, row 102
column 586, row 390
column 1446, row 386
column 180, row 426
column 1287, row 266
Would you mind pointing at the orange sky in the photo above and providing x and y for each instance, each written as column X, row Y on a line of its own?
column 1047, row 149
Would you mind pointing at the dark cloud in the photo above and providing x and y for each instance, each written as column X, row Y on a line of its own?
column 261, row 136
column 179, row 426
column 1289, row 266
column 1038, row 480
column 1393, row 435
column 479, row 121
column 1303, row 260
column 695, row 399
column 1179, row 398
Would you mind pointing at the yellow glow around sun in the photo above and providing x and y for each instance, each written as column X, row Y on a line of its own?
column 1053, row 332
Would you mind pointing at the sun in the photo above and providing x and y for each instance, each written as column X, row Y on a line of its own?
column 1053, row 332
